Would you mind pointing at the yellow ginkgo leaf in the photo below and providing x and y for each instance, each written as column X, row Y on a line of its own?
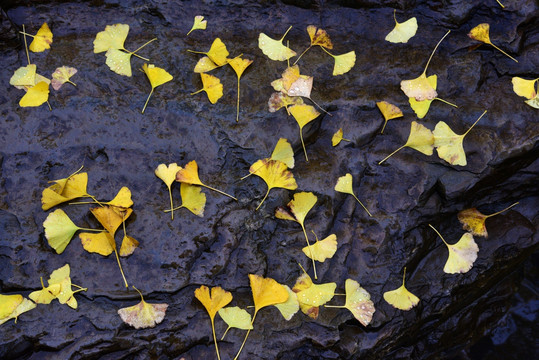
column 318, row 37
column 109, row 218
column 283, row 152
column 275, row 49
column 129, row 244
column 481, row 33
column 24, row 76
column 275, row 173
column 157, row 77
column 62, row 75
column 76, row 186
column 344, row 185
column 422, row 107
column 8, row 304
column 279, row 99
column 143, row 315
column 323, row 249
column 122, row 198
column 62, row 190
column 46, row 294
column 217, row 53
column 401, row 298
column 213, row 301
column 534, row 103
column 198, row 24
column 59, row 229
column 462, row 255
column 235, row 317
column 402, row 31
column 420, row 139
column 193, row 199
column 473, row 220
column 289, row 76
column 119, row 61
column 189, row 175
column 113, row 37
column 101, row 243
column 36, row 95
column 66, row 295
column 338, row 137
column 389, row 111
column 316, row 294
column 420, row 88
column 523, row 87
column 24, row 306
column 204, row 65
column 290, row 306
column 303, row 114
column 212, row 86
column 42, row 40
column 168, row 175
column 449, row 145
column 239, row 65
column 343, row 63
column 358, row 301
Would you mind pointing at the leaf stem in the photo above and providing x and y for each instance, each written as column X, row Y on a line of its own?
column 327, row 52
column 286, row 33
column 122, row 271
column 310, row 250
column 71, row 82
column 171, row 203
column 224, row 334
column 295, row 62
column 441, row 237
column 265, row 196
column 148, row 99
column 303, row 144
column 362, row 205
column 501, row 211
column 176, row 208
column 24, row 33
column 196, row 92
column 503, row 52
column 215, row 339
column 96, row 230
column 197, row 52
column 383, row 127
column 238, row 104
column 220, row 192
column 467, row 131
column 447, row 102
column 133, row 53
column 26, row 47
column 314, row 102
column 335, row 306
column 403, row 276
column 49, row 105
column 387, row 157
column 433, row 51
column 395, row 16
column 498, row 1
column 246, row 335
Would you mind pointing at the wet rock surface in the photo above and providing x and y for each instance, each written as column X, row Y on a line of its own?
column 489, row 312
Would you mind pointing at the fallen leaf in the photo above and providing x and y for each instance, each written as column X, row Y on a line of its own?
column 62, row 75
column 316, row 294
column 290, row 306
column 481, row 33
column 193, row 199
column 42, row 40
column 143, row 315
column 235, row 317
column 101, row 243
column 157, row 77
column 204, row 65
column 420, row 139
column 344, row 185
column 63, row 190
column 167, row 173
column 473, row 220
column 122, row 199
column 402, row 31
column 462, row 255
column 278, row 100
column 389, row 111
column 36, row 95
column 358, row 301
column 401, row 298
column 449, row 145
column 24, row 76
column 119, row 62
column 46, row 294
column 534, row 103
column 212, row 86
column 113, row 37
column 323, row 249
column 422, row 107
column 303, row 114
column 61, row 276
column 24, row 306
column 217, row 53
column 275, row 49
column 275, row 174
column 8, row 304
column 283, row 152
column 239, row 65
column 189, row 175
column 525, row 88
column 59, row 229
column 198, row 24
column 318, row 37
column 343, row 63
column 109, row 218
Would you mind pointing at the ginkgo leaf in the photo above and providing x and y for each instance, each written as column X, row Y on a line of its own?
column 193, row 199
column 301, row 87
column 316, row 294
column 129, row 244
column 283, row 152
column 389, row 111
column 296, row 210
column 122, row 198
column 525, row 88
column 288, row 77
column 24, row 306
column 157, row 77
column 46, row 294
column 420, row 88
column 401, row 298
column 278, row 100
column 61, row 276
column 343, row 63
column 318, row 37
column 8, row 304
column 338, row 137
column 422, row 107
column 113, row 37
column 109, row 218
column 198, row 24
column 473, row 220
column 275, row 173
column 420, row 139
column 402, row 31
column 42, row 40
column 481, row 33
column 217, row 53
column 189, row 175
column 239, row 65
column 74, row 186
column 59, row 229
column 62, row 75
column 449, row 145
column 24, row 76
column 36, row 95
column 213, row 301
column 275, row 49
column 101, row 243
column 344, row 185
column 168, row 175
column 212, row 86
column 323, row 249
column 358, row 301
column 204, row 65
column 534, row 103
column 143, row 315
column 303, row 114
column 290, row 306
column 462, row 255
column 235, row 317
column 119, row 61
